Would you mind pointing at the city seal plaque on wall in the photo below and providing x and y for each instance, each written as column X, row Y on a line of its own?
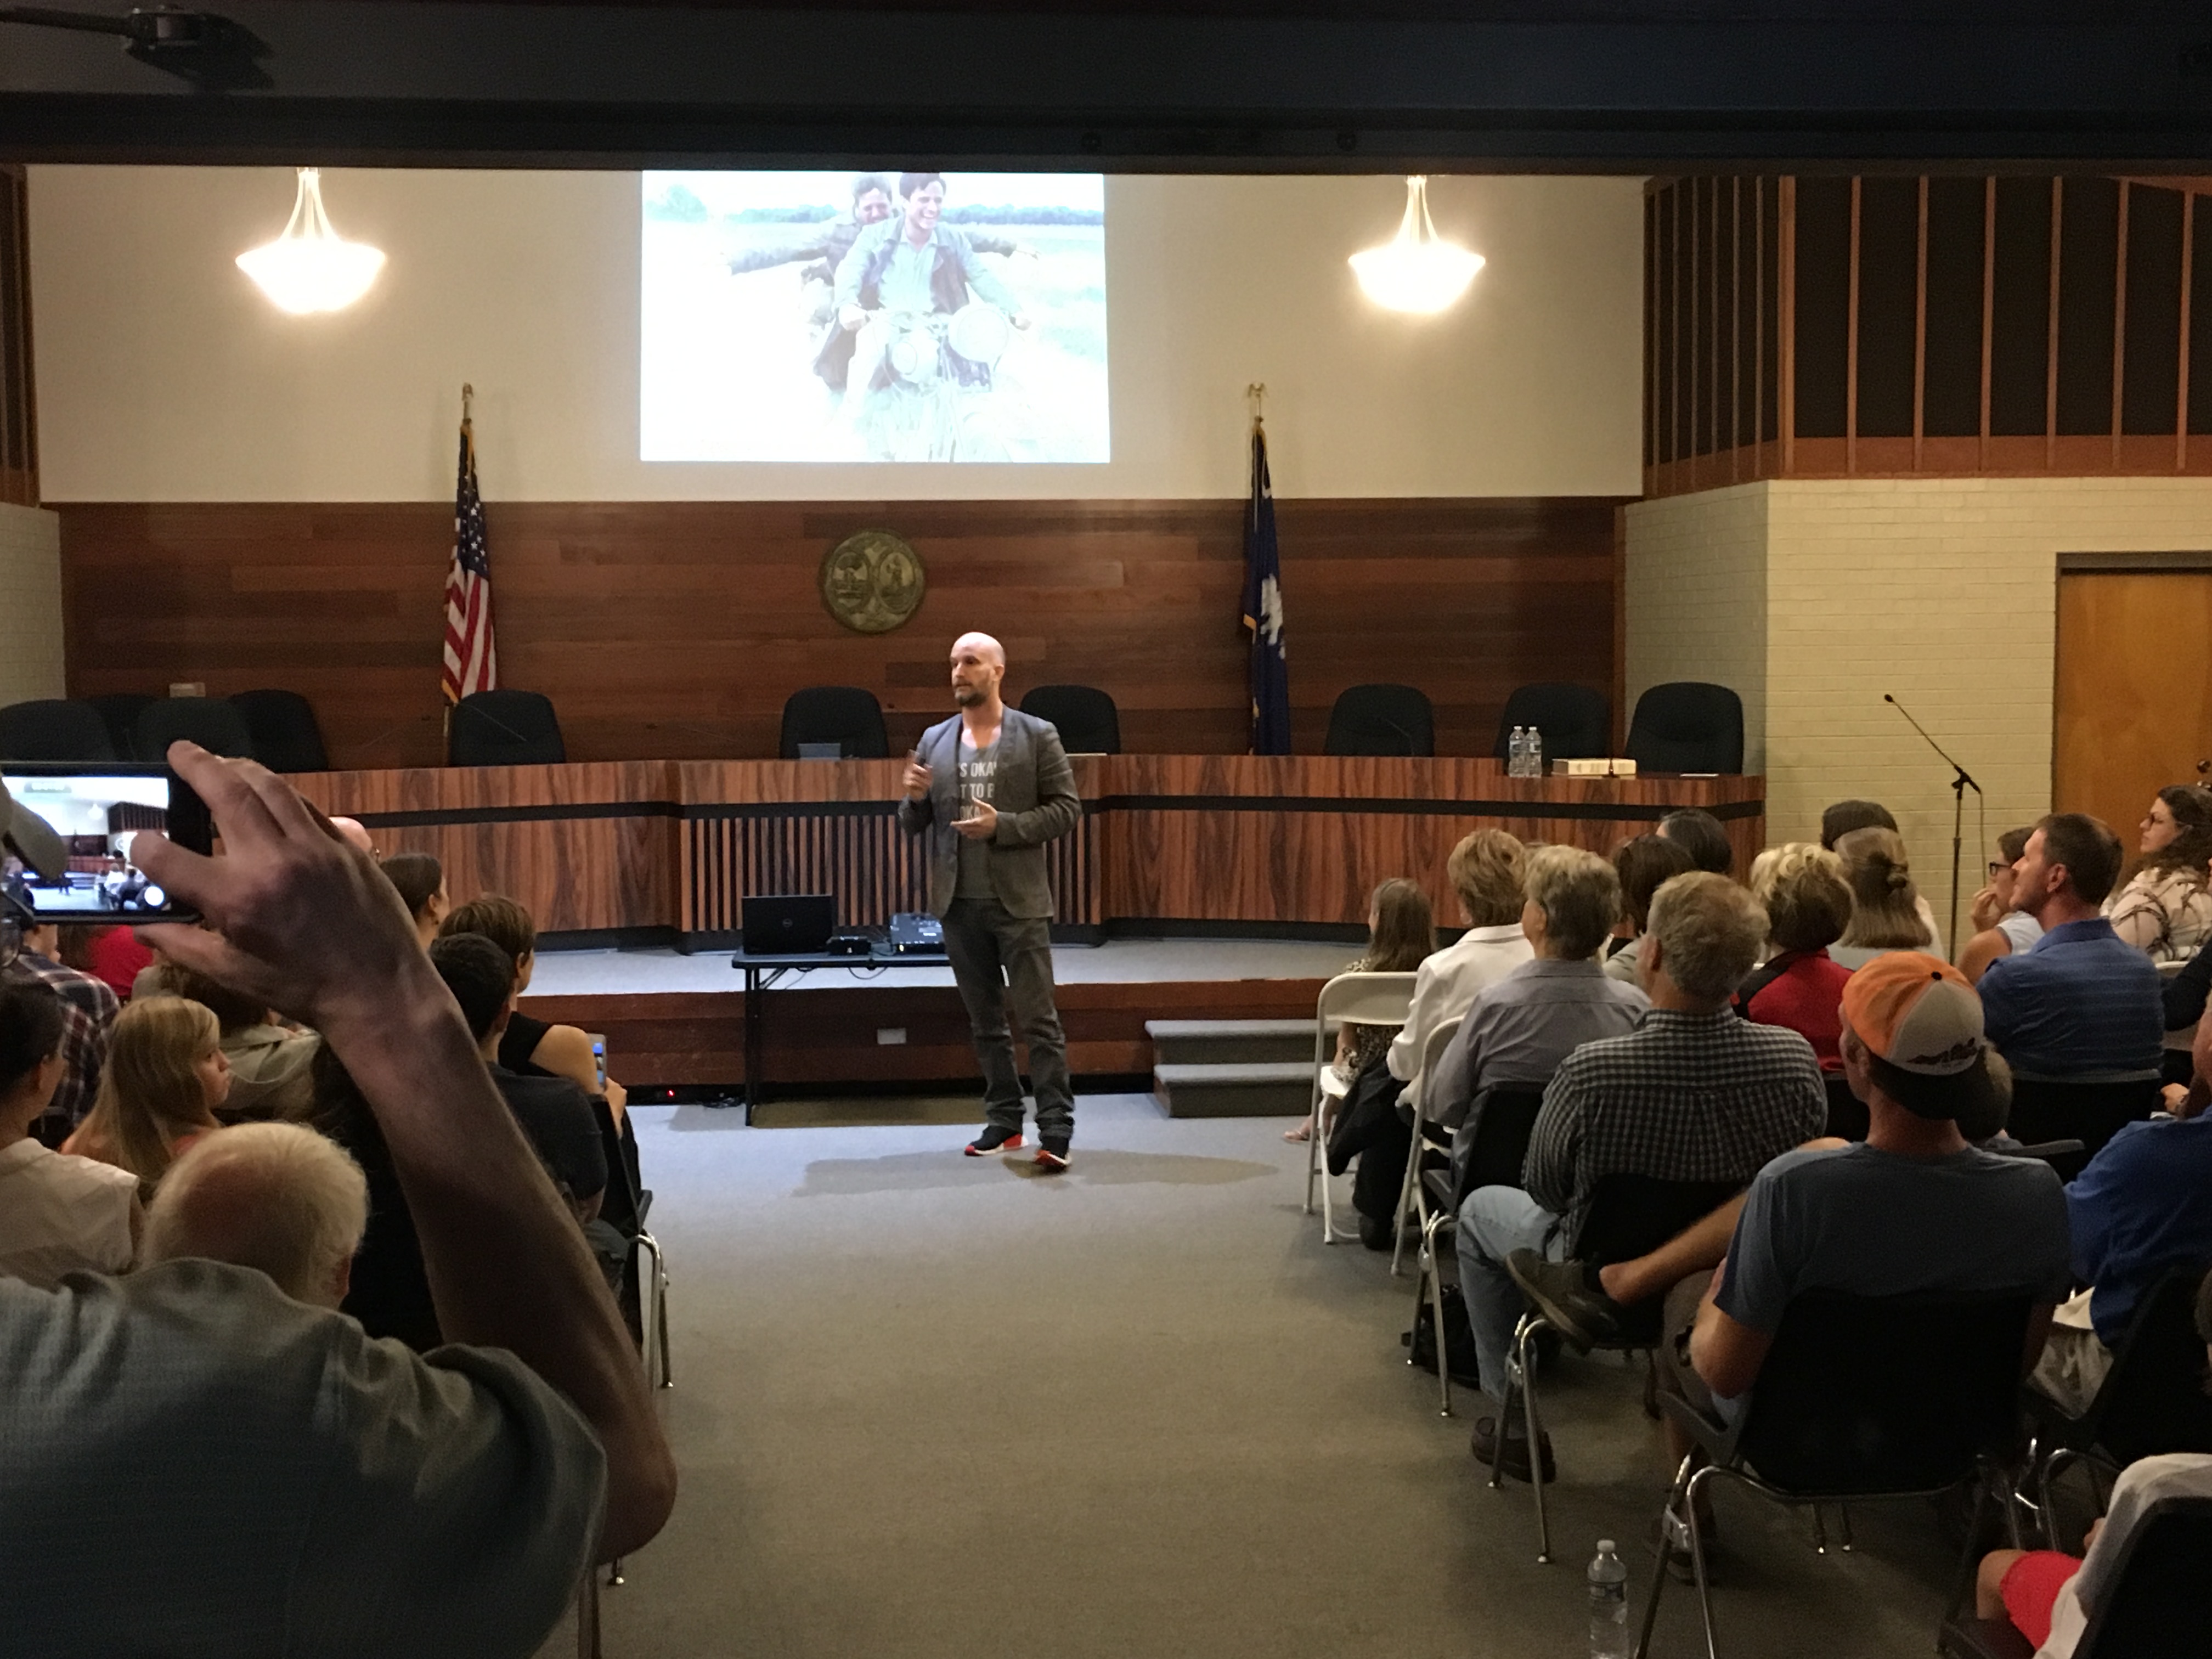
column 873, row 581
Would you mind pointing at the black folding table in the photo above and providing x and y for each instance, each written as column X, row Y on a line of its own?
column 762, row 971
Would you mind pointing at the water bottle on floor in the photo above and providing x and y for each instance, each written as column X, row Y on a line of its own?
column 1609, row 1604
column 1535, row 759
column 1517, row 754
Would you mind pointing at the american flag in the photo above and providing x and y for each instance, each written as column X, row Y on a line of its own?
column 472, row 655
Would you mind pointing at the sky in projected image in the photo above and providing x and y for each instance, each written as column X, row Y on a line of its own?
column 843, row 317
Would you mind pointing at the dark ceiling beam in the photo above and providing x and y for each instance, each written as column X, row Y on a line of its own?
column 572, row 85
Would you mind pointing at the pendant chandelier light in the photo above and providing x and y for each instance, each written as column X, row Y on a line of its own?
column 309, row 268
column 1416, row 271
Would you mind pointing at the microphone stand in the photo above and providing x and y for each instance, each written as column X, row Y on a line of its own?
column 1961, row 781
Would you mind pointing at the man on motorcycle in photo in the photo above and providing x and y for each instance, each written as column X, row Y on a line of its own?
column 909, row 272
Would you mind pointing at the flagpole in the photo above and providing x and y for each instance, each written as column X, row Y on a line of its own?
column 468, row 437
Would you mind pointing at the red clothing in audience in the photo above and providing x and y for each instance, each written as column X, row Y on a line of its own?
column 1802, row 990
column 114, row 956
column 2031, row 1590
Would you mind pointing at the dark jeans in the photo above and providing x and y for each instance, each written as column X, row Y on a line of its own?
column 994, row 953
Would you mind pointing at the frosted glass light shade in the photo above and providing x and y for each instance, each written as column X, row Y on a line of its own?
column 310, row 268
column 1415, row 270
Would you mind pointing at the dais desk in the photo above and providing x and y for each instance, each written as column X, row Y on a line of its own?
column 664, row 852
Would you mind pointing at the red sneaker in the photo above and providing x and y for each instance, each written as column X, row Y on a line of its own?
column 992, row 1141
column 1051, row 1154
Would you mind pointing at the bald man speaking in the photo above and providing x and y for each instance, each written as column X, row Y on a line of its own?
column 989, row 787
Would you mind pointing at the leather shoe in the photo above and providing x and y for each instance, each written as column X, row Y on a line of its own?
column 1566, row 1294
column 1515, row 1461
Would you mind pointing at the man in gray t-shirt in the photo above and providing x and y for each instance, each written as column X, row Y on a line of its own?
column 1914, row 1211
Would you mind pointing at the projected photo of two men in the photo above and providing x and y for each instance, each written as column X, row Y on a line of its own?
column 907, row 316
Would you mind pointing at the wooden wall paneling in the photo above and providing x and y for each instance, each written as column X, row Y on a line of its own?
column 668, row 629
column 1920, row 333
column 1652, row 199
column 19, row 441
column 1954, row 325
column 2150, row 330
column 2051, row 368
column 1853, row 278
column 1820, row 330
column 2199, row 405
column 1886, row 362
column 1988, row 310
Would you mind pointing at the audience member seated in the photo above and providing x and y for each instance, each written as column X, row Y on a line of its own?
column 1643, row 863
column 355, row 834
column 2141, row 1207
column 57, row 1214
column 2001, row 927
column 220, row 1467
column 270, row 1074
column 1692, row 1093
column 2082, row 1004
column 88, row 1010
column 389, row 1292
column 274, row 1197
column 1913, row 1212
column 530, row 1046
column 1808, row 904
column 2049, row 1596
column 1700, row 834
column 1401, row 935
column 554, row 1113
column 1485, row 871
column 2164, row 908
column 1519, row 1029
column 1885, row 905
column 1841, row 817
column 112, row 955
column 421, row 880
column 166, row 1074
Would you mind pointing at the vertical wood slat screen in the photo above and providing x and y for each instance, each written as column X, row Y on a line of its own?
column 1931, row 326
column 19, row 451
column 859, row 854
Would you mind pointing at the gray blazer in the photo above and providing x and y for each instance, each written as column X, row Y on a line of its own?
column 1036, row 802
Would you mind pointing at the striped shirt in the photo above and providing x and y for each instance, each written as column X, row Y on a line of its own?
column 1682, row 1098
column 2082, row 1005
column 89, row 1008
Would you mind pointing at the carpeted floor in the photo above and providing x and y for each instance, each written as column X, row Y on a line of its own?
column 932, row 1406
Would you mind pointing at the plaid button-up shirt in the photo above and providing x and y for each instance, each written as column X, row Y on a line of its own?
column 1682, row 1098
column 89, row 1008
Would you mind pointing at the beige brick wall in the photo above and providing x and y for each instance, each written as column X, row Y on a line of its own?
column 1697, row 599
column 1942, row 592
column 30, row 605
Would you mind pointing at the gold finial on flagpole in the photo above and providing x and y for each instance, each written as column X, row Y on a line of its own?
column 1255, row 395
column 468, row 394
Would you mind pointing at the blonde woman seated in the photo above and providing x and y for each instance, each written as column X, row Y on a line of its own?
column 57, row 1214
column 1800, row 985
column 1885, row 905
column 1400, row 936
column 2163, row 907
column 165, row 1074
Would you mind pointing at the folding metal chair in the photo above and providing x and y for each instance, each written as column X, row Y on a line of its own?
column 1347, row 1000
column 1860, row 1400
column 1412, row 1198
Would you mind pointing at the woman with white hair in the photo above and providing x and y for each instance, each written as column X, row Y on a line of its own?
column 272, row 1196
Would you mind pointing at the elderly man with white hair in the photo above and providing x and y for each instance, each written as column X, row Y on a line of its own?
column 988, row 789
column 274, row 1197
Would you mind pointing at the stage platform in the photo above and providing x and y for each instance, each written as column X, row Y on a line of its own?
column 674, row 1021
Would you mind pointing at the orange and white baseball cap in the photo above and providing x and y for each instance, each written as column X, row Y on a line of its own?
column 1918, row 1013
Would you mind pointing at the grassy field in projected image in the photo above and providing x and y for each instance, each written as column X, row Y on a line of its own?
column 727, row 362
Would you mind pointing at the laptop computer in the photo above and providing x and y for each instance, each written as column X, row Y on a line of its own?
column 790, row 924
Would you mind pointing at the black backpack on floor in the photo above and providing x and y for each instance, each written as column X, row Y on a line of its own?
column 1458, row 1338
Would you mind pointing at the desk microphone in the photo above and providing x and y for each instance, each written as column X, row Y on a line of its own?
column 1961, row 781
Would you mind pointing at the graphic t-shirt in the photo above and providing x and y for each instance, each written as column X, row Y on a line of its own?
column 979, row 781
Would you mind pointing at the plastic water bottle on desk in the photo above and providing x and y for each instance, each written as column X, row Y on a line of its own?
column 1517, row 754
column 1609, row 1604
column 1533, row 763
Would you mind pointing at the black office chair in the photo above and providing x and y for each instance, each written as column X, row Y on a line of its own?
column 286, row 736
column 1577, row 722
column 846, row 715
column 1505, row 1117
column 53, row 729
column 1860, row 1400
column 2044, row 1108
column 1629, row 1216
column 1088, row 722
column 1687, row 725
column 210, row 722
column 2157, row 1602
column 1382, row 720
column 505, row 728
column 118, row 712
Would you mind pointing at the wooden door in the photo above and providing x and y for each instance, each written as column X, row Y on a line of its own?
column 2134, row 690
